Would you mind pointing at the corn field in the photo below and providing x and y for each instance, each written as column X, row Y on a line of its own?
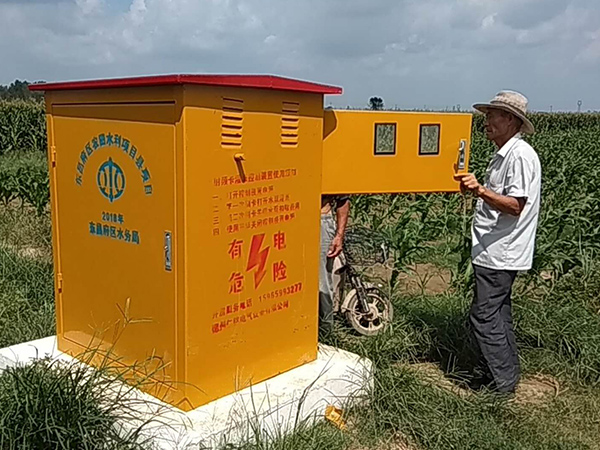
column 568, row 232
column 22, row 126
column 409, row 225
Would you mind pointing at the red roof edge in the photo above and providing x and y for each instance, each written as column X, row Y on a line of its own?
column 249, row 81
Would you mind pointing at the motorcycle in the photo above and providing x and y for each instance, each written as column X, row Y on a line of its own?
column 366, row 308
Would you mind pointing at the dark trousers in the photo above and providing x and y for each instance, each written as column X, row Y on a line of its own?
column 491, row 321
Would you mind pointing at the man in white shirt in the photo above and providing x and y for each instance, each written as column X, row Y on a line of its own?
column 503, row 232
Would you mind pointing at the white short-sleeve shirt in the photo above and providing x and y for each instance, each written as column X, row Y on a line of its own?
column 500, row 240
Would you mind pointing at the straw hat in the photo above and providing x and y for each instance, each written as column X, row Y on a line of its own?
column 512, row 102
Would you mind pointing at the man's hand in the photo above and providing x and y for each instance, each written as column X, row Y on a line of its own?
column 503, row 203
column 336, row 246
column 468, row 183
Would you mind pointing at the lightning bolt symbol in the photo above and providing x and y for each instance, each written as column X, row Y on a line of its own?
column 258, row 258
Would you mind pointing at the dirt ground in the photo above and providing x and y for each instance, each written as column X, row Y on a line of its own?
column 535, row 390
column 417, row 279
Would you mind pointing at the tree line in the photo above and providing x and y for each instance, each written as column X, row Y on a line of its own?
column 19, row 90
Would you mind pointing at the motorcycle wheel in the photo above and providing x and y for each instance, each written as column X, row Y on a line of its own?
column 375, row 320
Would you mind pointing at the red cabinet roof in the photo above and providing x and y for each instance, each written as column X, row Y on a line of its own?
column 251, row 81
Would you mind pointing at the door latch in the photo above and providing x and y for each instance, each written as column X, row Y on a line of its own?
column 168, row 251
column 462, row 150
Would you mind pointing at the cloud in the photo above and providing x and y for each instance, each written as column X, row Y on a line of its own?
column 591, row 50
column 411, row 52
column 31, row 2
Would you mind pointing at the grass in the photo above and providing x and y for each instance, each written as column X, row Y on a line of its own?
column 558, row 328
column 51, row 404
column 408, row 412
column 26, row 279
column 560, row 331
column 557, row 325
column 431, row 416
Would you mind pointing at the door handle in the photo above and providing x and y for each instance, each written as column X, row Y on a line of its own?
column 168, row 251
column 462, row 152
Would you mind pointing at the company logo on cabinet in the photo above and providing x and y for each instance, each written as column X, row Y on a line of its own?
column 110, row 177
column 111, row 180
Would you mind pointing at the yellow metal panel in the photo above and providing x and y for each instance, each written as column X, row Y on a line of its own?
column 123, row 95
column 114, row 200
column 179, row 255
column 134, row 112
column 351, row 165
column 252, row 235
column 55, row 238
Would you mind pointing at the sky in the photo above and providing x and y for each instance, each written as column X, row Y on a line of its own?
column 432, row 54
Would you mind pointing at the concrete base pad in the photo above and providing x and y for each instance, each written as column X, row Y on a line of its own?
column 266, row 411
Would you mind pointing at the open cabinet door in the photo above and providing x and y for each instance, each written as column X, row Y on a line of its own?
column 394, row 152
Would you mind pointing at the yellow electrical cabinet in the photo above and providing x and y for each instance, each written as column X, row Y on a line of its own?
column 394, row 151
column 185, row 212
